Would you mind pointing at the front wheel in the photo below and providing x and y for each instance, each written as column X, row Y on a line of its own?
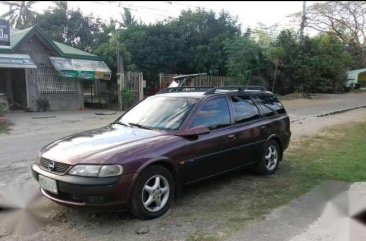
column 153, row 193
column 270, row 158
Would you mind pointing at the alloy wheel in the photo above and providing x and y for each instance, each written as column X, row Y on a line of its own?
column 271, row 157
column 155, row 193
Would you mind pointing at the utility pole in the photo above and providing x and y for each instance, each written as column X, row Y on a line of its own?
column 302, row 27
column 303, row 20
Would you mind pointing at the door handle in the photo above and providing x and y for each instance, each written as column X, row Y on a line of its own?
column 263, row 127
column 231, row 136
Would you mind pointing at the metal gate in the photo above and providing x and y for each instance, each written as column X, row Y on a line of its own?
column 130, row 89
column 48, row 82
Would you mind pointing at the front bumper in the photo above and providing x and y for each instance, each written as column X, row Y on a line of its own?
column 78, row 191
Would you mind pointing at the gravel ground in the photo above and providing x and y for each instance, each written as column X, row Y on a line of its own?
column 191, row 214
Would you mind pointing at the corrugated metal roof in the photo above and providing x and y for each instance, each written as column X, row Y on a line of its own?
column 70, row 50
column 17, row 35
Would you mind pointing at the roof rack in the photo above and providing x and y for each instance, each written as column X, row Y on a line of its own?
column 184, row 89
column 236, row 88
column 212, row 90
column 188, row 75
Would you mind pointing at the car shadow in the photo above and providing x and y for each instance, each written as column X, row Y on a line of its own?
column 214, row 205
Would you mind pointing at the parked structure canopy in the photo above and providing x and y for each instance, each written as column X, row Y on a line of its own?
column 22, row 61
column 81, row 69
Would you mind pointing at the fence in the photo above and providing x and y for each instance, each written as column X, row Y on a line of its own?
column 130, row 89
column 203, row 80
column 211, row 81
column 165, row 80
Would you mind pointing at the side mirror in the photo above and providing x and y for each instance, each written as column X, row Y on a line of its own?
column 195, row 131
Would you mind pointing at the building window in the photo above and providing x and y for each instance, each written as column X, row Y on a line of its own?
column 50, row 83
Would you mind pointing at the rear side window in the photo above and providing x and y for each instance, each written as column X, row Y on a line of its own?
column 245, row 109
column 214, row 114
column 270, row 105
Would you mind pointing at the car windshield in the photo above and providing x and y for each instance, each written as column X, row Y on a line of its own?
column 159, row 112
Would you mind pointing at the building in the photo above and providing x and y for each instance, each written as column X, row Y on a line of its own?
column 34, row 68
column 356, row 78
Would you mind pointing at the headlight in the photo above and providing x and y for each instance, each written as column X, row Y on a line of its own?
column 96, row 170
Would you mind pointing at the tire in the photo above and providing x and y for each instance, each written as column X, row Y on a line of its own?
column 154, row 186
column 270, row 158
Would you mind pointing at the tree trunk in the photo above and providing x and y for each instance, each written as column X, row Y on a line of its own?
column 275, row 76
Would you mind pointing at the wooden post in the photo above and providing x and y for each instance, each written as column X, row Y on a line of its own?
column 120, row 84
column 160, row 76
column 141, row 86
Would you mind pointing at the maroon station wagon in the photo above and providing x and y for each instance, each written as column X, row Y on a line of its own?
column 179, row 136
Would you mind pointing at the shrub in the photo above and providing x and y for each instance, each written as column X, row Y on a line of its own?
column 43, row 104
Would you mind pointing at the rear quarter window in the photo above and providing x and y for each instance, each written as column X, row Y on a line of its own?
column 270, row 105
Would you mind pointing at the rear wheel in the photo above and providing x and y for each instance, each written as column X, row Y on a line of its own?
column 153, row 193
column 270, row 158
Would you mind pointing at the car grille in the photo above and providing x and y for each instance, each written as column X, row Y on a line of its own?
column 59, row 167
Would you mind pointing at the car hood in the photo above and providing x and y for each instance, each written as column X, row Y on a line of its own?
column 87, row 147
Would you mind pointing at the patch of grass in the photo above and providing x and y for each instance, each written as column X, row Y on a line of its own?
column 4, row 129
column 237, row 199
column 338, row 154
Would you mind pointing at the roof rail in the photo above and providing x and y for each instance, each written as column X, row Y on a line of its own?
column 237, row 88
column 188, row 75
column 184, row 89
column 211, row 90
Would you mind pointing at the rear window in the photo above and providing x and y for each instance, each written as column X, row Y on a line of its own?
column 270, row 104
column 245, row 109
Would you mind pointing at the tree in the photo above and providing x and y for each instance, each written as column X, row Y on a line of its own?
column 192, row 43
column 127, row 19
column 347, row 20
column 20, row 13
column 274, row 55
column 72, row 27
column 204, row 34
column 264, row 37
column 331, row 61
column 245, row 60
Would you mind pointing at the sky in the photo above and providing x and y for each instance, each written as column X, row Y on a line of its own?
column 249, row 13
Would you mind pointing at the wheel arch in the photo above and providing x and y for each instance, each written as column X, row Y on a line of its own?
column 168, row 164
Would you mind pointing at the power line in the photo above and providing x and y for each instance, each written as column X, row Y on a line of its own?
column 138, row 8
column 148, row 10
column 182, row 4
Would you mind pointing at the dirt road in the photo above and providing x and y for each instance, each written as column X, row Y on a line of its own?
column 205, row 207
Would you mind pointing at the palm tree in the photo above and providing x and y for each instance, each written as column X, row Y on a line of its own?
column 20, row 13
column 128, row 19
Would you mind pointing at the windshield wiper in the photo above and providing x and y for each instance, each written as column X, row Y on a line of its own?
column 140, row 126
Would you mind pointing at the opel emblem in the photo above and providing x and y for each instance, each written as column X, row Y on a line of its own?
column 51, row 166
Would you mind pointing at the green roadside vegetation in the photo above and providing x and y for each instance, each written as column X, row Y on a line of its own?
column 4, row 129
column 338, row 153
